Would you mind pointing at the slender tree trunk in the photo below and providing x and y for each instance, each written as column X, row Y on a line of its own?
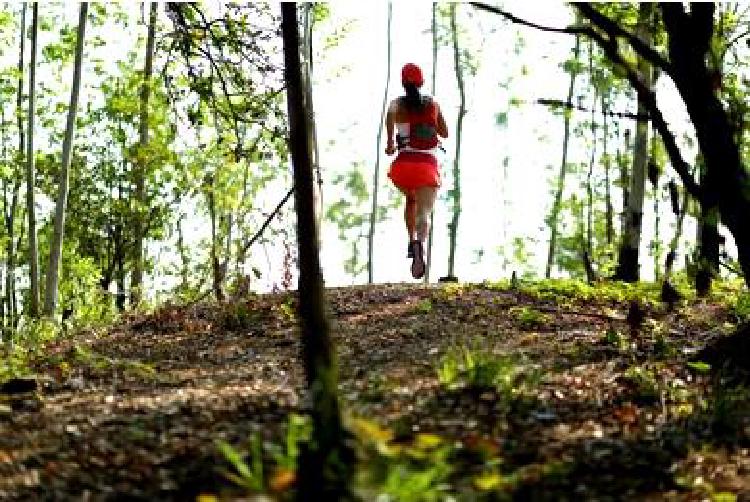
column 218, row 279
column 674, row 243
column 307, row 48
column 6, row 334
column 556, row 204
column 624, row 180
column 120, row 268
column 184, row 259
column 592, row 160
column 55, row 256
column 609, row 215
column 10, row 215
column 628, row 266
column 325, row 467
column 453, row 228
column 433, row 26
column 30, row 172
column 136, row 288
column 656, row 243
column 589, row 242
column 10, row 271
column 376, row 174
column 19, row 241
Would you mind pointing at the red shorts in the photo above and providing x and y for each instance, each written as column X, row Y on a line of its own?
column 413, row 170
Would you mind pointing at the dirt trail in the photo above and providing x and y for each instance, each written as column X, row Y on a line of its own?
column 135, row 412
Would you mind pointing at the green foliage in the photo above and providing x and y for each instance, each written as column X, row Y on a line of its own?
column 528, row 317
column 466, row 367
column 238, row 316
column 298, row 433
column 643, row 380
column 729, row 407
column 615, row 339
column 424, row 307
column 250, row 477
column 564, row 290
column 248, row 463
column 80, row 291
column 406, row 471
column 741, row 308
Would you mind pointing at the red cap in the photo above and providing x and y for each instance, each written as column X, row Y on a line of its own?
column 411, row 74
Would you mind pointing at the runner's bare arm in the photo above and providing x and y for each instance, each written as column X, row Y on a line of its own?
column 390, row 148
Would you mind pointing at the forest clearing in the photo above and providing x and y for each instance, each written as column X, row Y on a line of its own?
column 479, row 392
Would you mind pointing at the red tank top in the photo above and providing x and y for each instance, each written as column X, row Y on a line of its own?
column 422, row 127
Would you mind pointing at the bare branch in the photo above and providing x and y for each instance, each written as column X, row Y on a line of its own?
column 609, row 45
column 609, row 113
column 270, row 217
column 581, row 30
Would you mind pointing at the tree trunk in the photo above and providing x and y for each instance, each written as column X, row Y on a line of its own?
column 56, row 246
column 376, row 174
column 30, row 172
column 433, row 25
column 307, row 48
column 680, row 215
column 216, row 272
column 325, row 466
column 627, row 262
column 609, row 215
column 725, row 183
column 6, row 334
column 184, row 257
column 10, row 214
column 624, row 179
column 588, row 252
column 120, row 270
column 554, row 215
column 136, row 288
column 456, row 195
column 707, row 259
column 656, row 243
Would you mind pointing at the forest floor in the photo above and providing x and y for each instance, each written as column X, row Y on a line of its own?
column 472, row 392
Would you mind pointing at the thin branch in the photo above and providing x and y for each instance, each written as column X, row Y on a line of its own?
column 608, row 113
column 271, row 216
column 609, row 45
column 581, row 30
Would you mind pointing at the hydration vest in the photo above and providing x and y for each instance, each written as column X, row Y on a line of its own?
column 421, row 133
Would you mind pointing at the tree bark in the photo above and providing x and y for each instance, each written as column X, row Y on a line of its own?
column 10, row 214
column 136, row 288
column 456, row 195
column 609, row 215
column 55, row 256
column 307, row 48
column 627, row 262
column 588, row 254
column 708, row 242
column 30, row 172
column 325, row 466
column 555, row 212
column 216, row 269
column 376, row 174
column 433, row 26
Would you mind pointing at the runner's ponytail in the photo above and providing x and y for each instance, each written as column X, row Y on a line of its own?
column 413, row 99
